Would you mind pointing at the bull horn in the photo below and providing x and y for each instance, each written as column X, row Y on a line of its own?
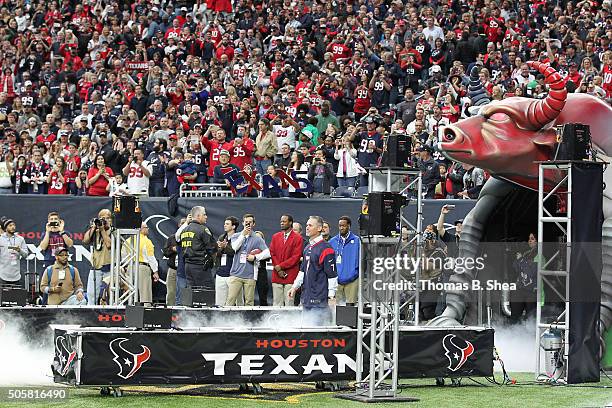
column 476, row 92
column 544, row 111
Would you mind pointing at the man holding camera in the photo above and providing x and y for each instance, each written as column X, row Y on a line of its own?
column 98, row 234
column 138, row 171
column 321, row 175
column 54, row 237
column 12, row 249
column 61, row 281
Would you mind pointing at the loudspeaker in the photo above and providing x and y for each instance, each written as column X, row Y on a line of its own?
column 585, row 280
column 574, row 143
column 126, row 212
column 148, row 318
column 384, row 213
column 13, row 296
column 398, row 151
column 346, row 316
column 199, row 297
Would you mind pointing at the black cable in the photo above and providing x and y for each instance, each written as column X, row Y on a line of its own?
column 606, row 374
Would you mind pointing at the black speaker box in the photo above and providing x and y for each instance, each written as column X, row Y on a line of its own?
column 384, row 213
column 575, row 142
column 346, row 316
column 11, row 296
column 126, row 212
column 398, row 151
column 199, row 297
column 148, row 318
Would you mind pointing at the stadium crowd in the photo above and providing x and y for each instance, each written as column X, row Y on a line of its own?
column 110, row 97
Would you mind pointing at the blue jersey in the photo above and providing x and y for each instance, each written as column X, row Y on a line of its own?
column 319, row 264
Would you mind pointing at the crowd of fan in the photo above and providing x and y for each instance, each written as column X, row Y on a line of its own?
column 110, row 97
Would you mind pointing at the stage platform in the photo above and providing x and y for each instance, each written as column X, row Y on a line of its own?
column 35, row 319
column 210, row 355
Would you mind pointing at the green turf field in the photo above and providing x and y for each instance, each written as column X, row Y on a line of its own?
column 468, row 394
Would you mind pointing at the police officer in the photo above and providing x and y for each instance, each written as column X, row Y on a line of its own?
column 198, row 245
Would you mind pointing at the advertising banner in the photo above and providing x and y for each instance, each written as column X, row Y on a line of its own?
column 205, row 357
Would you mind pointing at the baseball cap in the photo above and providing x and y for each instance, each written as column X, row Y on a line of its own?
column 224, row 152
column 183, row 8
column 155, row 10
column 151, row 116
column 459, row 221
column 61, row 249
column 436, row 68
column 27, row 83
column 173, row 136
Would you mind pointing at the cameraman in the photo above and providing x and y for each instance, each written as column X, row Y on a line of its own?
column 53, row 238
column 98, row 234
column 321, row 175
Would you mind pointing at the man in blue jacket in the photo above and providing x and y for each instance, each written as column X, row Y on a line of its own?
column 347, row 246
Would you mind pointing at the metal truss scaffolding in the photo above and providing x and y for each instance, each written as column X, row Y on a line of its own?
column 556, row 267
column 124, row 267
column 385, row 298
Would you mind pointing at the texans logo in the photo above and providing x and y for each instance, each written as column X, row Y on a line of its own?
column 64, row 354
column 129, row 363
column 457, row 351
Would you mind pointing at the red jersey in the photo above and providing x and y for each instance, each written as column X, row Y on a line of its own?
column 58, row 185
column 243, row 154
column 47, row 140
column 292, row 109
column 446, row 112
column 339, row 51
column 301, row 89
column 215, row 36
column 607, row 80
column 72, row 167
column 362, row 100
column 173, row 33
column 98, row 188
column 214, row 149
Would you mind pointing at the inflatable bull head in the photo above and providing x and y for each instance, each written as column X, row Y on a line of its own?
column 508, row 136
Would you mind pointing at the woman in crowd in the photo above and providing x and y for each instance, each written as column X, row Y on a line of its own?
column 56, row 178
column 98, row 177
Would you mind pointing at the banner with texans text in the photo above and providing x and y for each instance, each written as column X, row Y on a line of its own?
column 208, row 357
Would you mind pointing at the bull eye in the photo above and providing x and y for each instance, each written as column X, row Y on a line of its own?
column 449, row 134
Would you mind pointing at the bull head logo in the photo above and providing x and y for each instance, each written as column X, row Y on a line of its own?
column 129, row 363
column 457, row 351
column 64, row 354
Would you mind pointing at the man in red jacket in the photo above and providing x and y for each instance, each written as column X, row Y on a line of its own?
column 286, row 250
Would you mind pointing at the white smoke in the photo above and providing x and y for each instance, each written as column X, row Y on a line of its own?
column 273, row 320
column 25, row 360
column 516, row 347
